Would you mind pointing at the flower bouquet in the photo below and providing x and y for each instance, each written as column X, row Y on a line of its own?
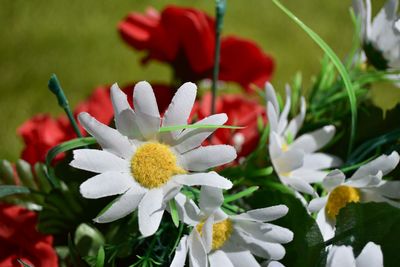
column 216, row 168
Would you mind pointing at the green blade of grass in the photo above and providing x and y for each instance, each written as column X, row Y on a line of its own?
column 338, row 64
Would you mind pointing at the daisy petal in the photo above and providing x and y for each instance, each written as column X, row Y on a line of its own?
column 106, row 184
column 309, row 176
column 370, row 256
column 274, row 264
column 180, row 253
column 108, row 138
column 383, row 163
column 277, row 234
column 126, row 124
column 211, row 198
column 296, row 123
column 272, row 117
column 340, row 256
column 123, row 206
column 211, row 179
column 333, row 179
column 197, row 252
column 188, row 211
column 98, row 161
column 118, row 99
column 285, row 112
column 205, row 157
column 207, row 233
column 289, row 161
column 242, row 258
column 146, row 109
column 326, row 226
column 264, row 214
column 320, row 161
column 179, row 110
column 390, row 189
column 313, row 141
column 151, row 210
column 219, row 258
column 317, row 204
column 271, row 97
column 192, row 138
column 300, row 185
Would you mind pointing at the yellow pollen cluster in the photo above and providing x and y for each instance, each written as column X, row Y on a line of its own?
column 339, row 198
column 154, row 164
column 221, row 232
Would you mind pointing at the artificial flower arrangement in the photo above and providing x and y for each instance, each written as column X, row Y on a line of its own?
column 176, row 175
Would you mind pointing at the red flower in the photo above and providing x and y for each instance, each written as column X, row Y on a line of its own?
column 185, row 38
column 43, row 132
column 19, row 239
column 241, row 112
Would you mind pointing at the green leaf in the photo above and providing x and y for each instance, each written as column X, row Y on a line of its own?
column 197, row 126
column 61, row 148
column 25, row 173
column 100, row 257
column 241, row 194
column 338, row 64
column 174, row 212
column 306, row 248
column 359, row 223
column 6, row 172
column 7, row 190
column 88, row 240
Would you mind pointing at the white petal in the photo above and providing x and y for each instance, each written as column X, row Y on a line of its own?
column 285, row 112
column 207, row 233
column 296, row 123
column 333, row 179
column 178, row 111
column 368, row 180
column 390, row 189
column 260, row 248
column 264, row 214
column 98, row 161
column 146, row 109
column 106, row 184
column 340, row 256
column 197, row 252
column 271, row 96
column 289, row 161
column 383, row 163
column 309, row 176
column 218, row 259
column 124, row 115
column 313, row 141
column 317, row 204
column 277, row 234
column 275, row 264
column 108, row 138
column 206, row 157
column 272, row 117
column 151, row 210
column 300, row 185
column 123, row 206
column 320, row 161
column 370, row 256
column 242, row 258
column 326, row 226
column 192, row 138
column 211, row 198
column 180, row 253
column 188, row 211
column 211, row 179
column 275, row 145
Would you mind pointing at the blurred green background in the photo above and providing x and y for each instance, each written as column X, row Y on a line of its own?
column 78, row 40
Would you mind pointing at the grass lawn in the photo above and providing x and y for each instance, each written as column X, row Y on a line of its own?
column 78, row 40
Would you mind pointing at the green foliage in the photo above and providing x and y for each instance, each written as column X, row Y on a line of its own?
column 359, row 223
column 7, row 190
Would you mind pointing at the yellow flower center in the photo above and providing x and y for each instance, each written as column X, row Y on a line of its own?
column 339, row 198
column 154, row 164
column 285, row 147
column 221, row 232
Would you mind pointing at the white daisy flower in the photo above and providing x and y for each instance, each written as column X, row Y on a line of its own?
column 365, row 185
column 145, row 168
column 219, row 239
column 294, row 159
column 381, row 38
column 370, row 256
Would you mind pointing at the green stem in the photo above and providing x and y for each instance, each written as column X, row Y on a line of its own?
column 55, row 87
column 220, row 12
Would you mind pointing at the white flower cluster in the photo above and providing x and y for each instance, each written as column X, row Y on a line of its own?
column 147, row 169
